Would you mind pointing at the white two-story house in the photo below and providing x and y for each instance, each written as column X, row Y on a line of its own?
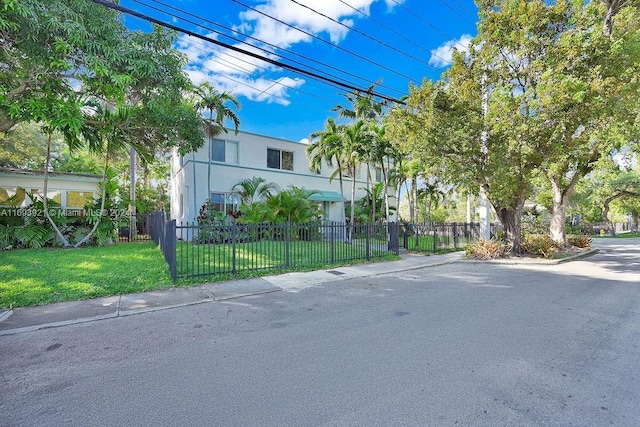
column 235, row 157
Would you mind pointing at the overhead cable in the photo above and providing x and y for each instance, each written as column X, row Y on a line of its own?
column 127, row 11
column 263, row 42
column 364, row 58
column 362, row 33
column 406, row 9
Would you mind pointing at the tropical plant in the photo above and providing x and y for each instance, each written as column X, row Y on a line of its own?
column 488, row 249
column 132, row 85
column 326, row 145
column 254, row 189
column 293, row 205
column 365, row 206
column 213, row 102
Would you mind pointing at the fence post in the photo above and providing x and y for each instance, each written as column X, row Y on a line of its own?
column 234, row 232
column 393, row 231
column 435, row 238
column 333, row 242
column 287, row 241
column 368, row 241
column 455, row 237
column 405, row 236
column 170, row 247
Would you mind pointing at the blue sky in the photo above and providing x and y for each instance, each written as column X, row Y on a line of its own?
column 397, row 42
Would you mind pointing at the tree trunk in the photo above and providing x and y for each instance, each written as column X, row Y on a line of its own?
column 6, row 124
column 209, row 159
column 104, row 195
column 353, row 203
column 343, row 214
column 61, row 237
column 412, row 200
column 510, row 217
column 558, row 213
column 385, row 193
column 373, row 195
column 559, row 210
column 613, row 6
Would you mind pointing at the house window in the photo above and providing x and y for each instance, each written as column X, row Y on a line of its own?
column 279, row 159
column 224, row 151
column 78, row 199
column 7, row 193
column 225, row 202
column 217, row 202
column 55, row 195
column 379, row 175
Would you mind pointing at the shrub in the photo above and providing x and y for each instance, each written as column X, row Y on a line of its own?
column 579, row 240
column 488, row 249
column 534, row 224
column 538, row 245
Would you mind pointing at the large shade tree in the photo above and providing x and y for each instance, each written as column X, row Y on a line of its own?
column 588, row 98
column 74, row 68
column 530, row 96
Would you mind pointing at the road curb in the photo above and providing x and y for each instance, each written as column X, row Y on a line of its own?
column 211, row 297
column 4, row 314
column 530, row 261
column 57, row 324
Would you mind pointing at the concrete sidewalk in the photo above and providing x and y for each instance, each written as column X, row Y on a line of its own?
column 25, row 319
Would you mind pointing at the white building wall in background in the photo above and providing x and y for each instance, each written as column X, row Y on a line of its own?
column 235, row 157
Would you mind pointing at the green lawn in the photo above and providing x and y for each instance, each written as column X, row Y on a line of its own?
column 216, row 259
column 617, row 236
column 41, row 276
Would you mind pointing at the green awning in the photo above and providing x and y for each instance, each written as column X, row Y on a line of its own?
column 326, row 196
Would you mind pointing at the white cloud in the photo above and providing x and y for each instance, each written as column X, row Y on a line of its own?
column 441, row 57
column 258, row 80
column 304, row 18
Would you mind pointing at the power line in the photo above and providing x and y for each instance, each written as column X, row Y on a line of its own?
column 326, row 42
column 263, row 42
column 456, row 12
column 228, row 54
column 362, row 33
column 125, row 10
column 464, row 9
column 387, row 27
column 406, row 9
column 248, row 71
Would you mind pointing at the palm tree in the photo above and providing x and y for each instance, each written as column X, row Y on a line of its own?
column 327, row 145
column 355, row 139
column 293, row 205
column 254, row 189
column 363, row 106
column 213, row 101
column 432, row 196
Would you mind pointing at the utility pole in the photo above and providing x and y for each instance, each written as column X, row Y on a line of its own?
column 133, row 227
column 485, row 206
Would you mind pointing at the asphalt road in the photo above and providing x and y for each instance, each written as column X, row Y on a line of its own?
column 460, row 344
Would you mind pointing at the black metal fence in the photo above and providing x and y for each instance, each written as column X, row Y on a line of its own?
column 163, row 233
column 136, row 228
column 210, row 249
column 214, row 249
column 439, row 237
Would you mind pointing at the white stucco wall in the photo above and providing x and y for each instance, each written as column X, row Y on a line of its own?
column 189, row 174
column 57, row 182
